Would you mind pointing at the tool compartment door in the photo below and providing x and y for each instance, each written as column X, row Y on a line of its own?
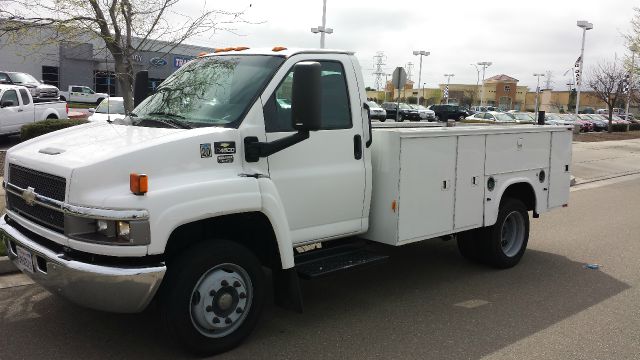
column 427, row 180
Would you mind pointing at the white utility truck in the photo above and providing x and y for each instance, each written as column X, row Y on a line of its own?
column 246, row 159
column 82, row 94
column 17, row 108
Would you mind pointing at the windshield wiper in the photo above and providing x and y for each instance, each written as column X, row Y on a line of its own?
column 171, row 123
column 176, row 123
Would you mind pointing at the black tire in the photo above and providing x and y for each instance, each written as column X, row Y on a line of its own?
column 493, row 252
column 383, row 120
column 469, row 245
column 400, row 118
column 191, row 269
column 461, row 117
column 437, row 118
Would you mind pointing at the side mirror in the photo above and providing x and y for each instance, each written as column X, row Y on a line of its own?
column 140, row 87
column 7, row 103
column 306, row 96
column 91, row 110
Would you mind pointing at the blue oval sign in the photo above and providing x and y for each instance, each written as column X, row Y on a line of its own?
column 156, row 61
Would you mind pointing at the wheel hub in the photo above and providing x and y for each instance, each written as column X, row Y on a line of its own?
column 221, row 300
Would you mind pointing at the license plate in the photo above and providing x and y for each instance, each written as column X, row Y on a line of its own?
column 25, row 260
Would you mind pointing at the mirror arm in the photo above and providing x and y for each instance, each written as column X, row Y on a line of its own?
column 254, row 149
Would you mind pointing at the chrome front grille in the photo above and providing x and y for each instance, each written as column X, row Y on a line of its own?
column 43, row 184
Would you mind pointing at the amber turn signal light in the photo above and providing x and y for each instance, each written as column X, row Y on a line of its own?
column 138, row 183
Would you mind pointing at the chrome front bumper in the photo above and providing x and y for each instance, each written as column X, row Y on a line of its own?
column 107, row 288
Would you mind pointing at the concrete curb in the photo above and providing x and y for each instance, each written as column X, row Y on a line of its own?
column 6, row 266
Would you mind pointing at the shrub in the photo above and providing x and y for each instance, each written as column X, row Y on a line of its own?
column 3, row 251
column 619, row 128
column 44, row 127
column 634, row 126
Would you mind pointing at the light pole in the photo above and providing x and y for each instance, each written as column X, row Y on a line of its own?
column 420, row 53
column 484, row 65
column 585, row 25
column 633, row 49
column 323, row 29
column 386, row 82
column 537, row 93
column 424, row 85
column 448, row 76
column 478, row 78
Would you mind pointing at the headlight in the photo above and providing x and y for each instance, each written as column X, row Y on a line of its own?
column 33, row 91
column 109, row 232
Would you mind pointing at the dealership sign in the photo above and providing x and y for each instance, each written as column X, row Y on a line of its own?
column 178, row 61
column 157, row 61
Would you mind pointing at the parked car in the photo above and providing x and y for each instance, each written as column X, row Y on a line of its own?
column 108, row 110
column 484, row 108
column 620, row 120
column 445, row 112
column 585, row 126
column 598, row 123
column 376, row 112
column 40, row 92
column 629, row 117
column 605, row 118
column 82, row 94
column 425, row 114
column 490, row 117
column 406, row 112
column 522, row 117
column 17, row 108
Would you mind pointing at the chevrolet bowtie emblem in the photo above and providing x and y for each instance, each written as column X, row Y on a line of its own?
column 29, row 196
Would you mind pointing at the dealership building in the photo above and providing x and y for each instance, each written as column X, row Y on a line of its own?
column 87, row 63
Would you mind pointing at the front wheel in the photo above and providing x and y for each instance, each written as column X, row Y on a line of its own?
column 461, row 117
column 212, row 296
column 437, row 118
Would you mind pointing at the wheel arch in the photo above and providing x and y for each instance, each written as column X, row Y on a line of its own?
column 518, row 188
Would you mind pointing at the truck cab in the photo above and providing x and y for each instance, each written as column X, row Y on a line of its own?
column 252, row 158
column 17, row 108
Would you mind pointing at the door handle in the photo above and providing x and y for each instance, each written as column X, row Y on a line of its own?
column 357, row 147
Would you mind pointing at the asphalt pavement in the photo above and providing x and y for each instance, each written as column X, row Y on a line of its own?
column 426, row 302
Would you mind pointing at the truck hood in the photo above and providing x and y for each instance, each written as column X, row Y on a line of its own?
column 109, row 149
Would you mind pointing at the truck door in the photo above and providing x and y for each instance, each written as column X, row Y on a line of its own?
column 75, row 95
column 11, row 114
column 321, row 181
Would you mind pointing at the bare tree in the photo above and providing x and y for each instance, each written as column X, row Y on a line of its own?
column 126, row 27
column 607, row 82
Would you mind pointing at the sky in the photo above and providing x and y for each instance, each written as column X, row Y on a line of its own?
column 520, row 37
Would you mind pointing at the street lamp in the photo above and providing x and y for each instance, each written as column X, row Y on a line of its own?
column 484, row 65
column 633, row 49
column 585, row 25
column 478, row 78
column 448, row 76
column 323, row 29
column 537, row 93
column 424, row 85
column 420, row 53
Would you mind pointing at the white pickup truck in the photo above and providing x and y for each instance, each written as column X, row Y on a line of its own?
column 17, row 108
column 247, row 159
column 82, row 94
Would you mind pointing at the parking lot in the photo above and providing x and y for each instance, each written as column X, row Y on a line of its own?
column 427, row 302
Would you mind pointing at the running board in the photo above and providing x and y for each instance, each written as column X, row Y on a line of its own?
column 337, row 262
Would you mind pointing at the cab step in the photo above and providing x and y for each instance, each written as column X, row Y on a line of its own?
column 337, row 262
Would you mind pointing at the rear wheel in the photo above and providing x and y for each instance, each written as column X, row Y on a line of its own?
column 212, row 296
column 437, row 118
column 461, row 117
column 503, row 244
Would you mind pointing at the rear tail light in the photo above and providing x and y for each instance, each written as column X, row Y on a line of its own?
column 66, row 107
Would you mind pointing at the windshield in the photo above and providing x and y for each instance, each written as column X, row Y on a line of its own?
column 373, row 104
column 405, row 107
column 22, row 78
column 552, row 117
column 520, row 116
column 209, row 91
column 111, row 106
column 569, row 117
column 503, row 117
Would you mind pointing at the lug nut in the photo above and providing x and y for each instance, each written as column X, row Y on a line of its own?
column 242, row 295
column 236, row 284
column 209, row 308
column 216, row 320
column 227, row 321
column 212, row 293
column 224, row 283
column 239, row 310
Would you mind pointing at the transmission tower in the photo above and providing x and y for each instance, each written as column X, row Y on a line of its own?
column 379, row 60
column 409, row 70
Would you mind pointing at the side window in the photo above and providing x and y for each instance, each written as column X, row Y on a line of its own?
column 10, row 95
column 336, row 113
column 87, row 90
column 25, row 97
column 488, row 116
column 4, row 78
column 76, row 89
